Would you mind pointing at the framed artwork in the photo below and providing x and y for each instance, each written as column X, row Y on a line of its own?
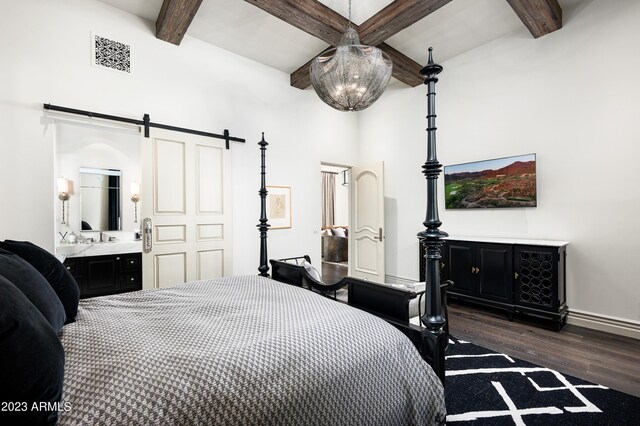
column 279, row 207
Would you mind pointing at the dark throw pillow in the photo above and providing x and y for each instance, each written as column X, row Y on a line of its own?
column 31, row 361
column 34, row 286
column 53, row 270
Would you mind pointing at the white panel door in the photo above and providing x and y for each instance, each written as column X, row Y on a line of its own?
column 366, row 236
column 186, row 193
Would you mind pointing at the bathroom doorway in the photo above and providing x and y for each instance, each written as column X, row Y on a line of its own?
column 334, row 224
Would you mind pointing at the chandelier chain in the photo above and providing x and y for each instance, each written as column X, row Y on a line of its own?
column 349, row 13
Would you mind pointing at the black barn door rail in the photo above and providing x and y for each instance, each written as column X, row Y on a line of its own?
column 146, row 122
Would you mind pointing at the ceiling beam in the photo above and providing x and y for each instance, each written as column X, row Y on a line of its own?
column 174, row 18
column 541, row 17
column 310, row 16
column 405, row 69
column 320, row 21
column 395, row 17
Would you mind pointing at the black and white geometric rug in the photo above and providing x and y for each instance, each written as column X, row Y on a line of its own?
column 488, row 388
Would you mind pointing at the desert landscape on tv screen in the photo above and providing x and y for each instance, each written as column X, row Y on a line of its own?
column 503, row 182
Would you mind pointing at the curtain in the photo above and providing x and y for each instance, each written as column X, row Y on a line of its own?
column 328, row 198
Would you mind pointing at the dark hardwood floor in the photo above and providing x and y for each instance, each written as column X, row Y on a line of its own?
column 603, row 358
column 334, row 272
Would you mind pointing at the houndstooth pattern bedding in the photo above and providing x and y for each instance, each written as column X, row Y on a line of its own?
column 240, row 351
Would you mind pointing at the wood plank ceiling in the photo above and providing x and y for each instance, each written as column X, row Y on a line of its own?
column 541, row 17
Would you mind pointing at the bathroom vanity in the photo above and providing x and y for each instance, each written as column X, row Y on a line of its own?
column 104, row 268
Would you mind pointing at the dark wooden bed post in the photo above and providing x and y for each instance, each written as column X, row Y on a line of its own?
column 263, row 226
column 431, row 237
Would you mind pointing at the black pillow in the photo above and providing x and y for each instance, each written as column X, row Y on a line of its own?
column 34, row 286
column 53, row 270
column 31, row 360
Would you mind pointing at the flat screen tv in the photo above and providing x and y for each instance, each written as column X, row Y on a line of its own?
column 490, row 184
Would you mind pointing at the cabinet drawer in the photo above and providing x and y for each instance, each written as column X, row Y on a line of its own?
column 131, row 281
column 131, row 262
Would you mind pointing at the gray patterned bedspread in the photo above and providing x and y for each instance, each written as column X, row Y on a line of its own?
column 242, row 351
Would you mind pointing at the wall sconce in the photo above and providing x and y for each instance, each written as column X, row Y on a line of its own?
column 63, row 195
column 135, row 197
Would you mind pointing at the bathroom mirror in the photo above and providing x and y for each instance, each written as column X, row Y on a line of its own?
column 100, row 201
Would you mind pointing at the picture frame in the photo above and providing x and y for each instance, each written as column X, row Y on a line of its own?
column 279, row 207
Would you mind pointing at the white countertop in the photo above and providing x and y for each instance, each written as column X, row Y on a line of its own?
column 98, row 249
column 550, row 243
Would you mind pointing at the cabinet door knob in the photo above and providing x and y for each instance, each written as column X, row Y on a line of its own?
column 517, row 275
column 473, row 269
column 477, row 270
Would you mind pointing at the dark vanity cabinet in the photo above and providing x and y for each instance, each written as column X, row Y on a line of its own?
column 108, row 274
column 516, row 277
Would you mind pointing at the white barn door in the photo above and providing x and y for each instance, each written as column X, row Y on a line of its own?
column 366, row 241
column 186, row 203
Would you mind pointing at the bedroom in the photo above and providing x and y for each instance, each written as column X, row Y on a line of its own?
column 568, row 96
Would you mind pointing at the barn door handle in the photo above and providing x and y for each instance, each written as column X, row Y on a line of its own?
column 147, row 243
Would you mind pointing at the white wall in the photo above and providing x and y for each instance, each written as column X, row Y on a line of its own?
column 46, row 51
column 572, row 98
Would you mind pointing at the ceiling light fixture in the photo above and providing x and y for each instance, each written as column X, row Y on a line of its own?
column 351, row 76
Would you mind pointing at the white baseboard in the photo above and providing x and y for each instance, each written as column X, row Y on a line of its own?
column 608, row 324
column 613, row 325
column 392, row 279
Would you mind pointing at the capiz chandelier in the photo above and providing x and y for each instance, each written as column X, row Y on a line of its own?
column 351, row 76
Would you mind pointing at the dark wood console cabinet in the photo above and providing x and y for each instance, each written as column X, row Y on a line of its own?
column 522, row 277
column 108, row 274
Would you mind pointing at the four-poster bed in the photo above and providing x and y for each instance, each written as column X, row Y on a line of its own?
column 389, row 303
column 252, row 350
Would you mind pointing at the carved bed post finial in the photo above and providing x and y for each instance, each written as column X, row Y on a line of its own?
column 431, row 237
column 263, row 226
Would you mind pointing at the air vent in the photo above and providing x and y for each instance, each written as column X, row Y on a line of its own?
column 111, row 54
